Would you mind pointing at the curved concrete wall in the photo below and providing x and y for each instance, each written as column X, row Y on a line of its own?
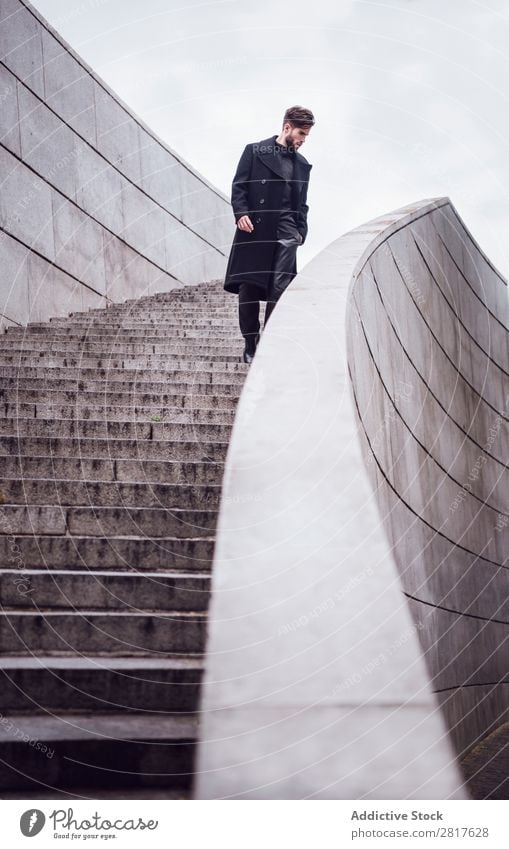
column 430, row 369
column 94, row 207
column 317, row 685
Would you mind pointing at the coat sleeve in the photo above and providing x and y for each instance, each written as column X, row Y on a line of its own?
column 241, row 184
column 302, row 215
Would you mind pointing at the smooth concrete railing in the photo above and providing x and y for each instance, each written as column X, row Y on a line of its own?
column 360, row 607
column 94, row 208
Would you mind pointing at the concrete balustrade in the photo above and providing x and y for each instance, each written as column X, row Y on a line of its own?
column 94, row 208
column 360, row 608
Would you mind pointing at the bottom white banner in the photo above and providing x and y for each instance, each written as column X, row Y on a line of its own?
column 255, row 824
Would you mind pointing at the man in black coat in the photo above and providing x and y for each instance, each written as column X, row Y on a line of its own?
column 269, row 193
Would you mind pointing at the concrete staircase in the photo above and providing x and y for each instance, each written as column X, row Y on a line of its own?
column 114, row 425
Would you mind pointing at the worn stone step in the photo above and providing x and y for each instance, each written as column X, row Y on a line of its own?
column 150, row 312
column 88, row 359
column 150, row 318
column 167, row 322
column 33, row 491
column 122, row 553
column 120, row 634
column 63, row 347
column 71, row 750
column 142, row 384
column 177, row 400
column 102, row 345
column 110, row 334
column 139, row 449
column 180, row 372
column 36, row 589
column 96, row 684
column 102, row 521
column 88, row 468
column 101, row 429
column 156, row 414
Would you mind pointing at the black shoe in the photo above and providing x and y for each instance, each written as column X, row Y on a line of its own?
column 250, row 348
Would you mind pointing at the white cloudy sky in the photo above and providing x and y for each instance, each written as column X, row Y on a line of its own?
column 410, row 96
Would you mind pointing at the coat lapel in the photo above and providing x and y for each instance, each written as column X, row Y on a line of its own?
column 265, row 152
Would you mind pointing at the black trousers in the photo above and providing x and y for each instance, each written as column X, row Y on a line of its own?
column 288, row 240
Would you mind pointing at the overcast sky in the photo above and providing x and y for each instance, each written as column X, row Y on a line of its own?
column 410, row 96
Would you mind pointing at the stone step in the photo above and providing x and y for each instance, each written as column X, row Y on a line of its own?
column 177, row 400
column 88, row 360
column 175, row 322
column 98, row 521
column 180, row 372
column 89, row 631
column 18, row 551
column 157, row 332
column 151, row 318
column 99, row 684
column 31, row 491
column 70, row 750
column 174, row 337
column 139, row 449
column 143, row 382
column 36, row 589
column 121, row 312
column 88, row 468
column 101, row 429
column 154, row 413
column 47, row 347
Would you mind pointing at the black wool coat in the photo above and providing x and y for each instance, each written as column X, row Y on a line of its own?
column 257, row 191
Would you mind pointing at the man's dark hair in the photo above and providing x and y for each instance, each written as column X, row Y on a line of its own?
column 298, row 116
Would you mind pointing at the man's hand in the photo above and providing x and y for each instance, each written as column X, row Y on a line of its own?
column 245, row 224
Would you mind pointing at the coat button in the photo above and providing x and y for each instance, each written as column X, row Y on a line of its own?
column 263, row 182
column 262, row 200
column 258, row 220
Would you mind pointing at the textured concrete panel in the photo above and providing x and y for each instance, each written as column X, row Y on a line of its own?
column 25, row 206
column 143, row 224
column 69, row 89
column 47, row 145
column 14, row 279
column 78, row 243
column 9, row 115
column 51, row 290
column 118, row 135
column 21, row 44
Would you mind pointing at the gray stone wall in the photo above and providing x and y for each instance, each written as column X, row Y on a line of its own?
column 317, row 684
column 430, row 369
column 94, row 208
